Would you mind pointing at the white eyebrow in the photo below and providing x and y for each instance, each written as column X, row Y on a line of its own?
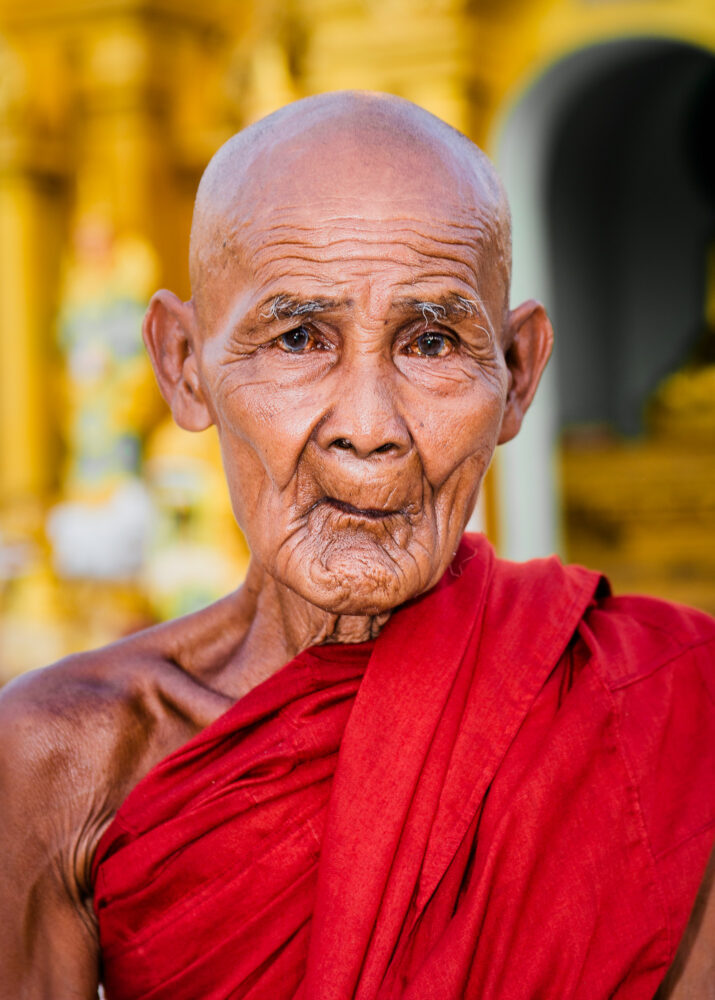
column 290, row 306
column 440, row 311
column 452, row 307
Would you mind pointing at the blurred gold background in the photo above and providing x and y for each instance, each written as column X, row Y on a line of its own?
column 600, row 116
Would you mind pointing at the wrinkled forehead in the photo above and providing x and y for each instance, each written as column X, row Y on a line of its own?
column 367, row 180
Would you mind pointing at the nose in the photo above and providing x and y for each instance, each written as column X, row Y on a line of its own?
column 364, row 419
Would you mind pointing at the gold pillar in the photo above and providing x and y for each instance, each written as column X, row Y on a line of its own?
column 31, row 210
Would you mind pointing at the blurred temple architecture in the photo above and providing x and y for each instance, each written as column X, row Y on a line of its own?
column 599, row 115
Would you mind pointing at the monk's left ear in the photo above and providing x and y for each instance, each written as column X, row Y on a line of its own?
column 528, row 342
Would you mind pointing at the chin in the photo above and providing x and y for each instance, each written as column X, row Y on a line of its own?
column 360, row 576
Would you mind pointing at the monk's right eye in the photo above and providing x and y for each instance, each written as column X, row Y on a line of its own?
column 296, row 340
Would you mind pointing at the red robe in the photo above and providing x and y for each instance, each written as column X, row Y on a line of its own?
column 509, row 795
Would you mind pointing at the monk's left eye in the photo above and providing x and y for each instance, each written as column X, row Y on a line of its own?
column 296, row 340
column 431, row 345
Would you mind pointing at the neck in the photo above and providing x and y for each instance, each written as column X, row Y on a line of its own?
column 279, row 624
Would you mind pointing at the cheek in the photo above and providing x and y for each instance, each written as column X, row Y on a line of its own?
column 455, row 432
column 263, row 432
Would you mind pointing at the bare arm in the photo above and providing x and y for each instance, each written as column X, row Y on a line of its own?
column 48, row 943
column 692, row 974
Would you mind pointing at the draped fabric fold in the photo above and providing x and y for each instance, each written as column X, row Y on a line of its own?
column 450, row 811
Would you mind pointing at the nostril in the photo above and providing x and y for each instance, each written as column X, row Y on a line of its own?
column 346, row 444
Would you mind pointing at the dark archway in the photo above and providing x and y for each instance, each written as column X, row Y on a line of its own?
column 607, row 157
column 630, row 213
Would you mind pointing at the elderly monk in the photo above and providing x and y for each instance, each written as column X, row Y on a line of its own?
column 390, row 765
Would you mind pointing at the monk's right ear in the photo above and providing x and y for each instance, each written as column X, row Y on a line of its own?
column 170, row 336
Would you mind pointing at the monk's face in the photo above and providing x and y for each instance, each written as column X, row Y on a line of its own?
column 349, row 350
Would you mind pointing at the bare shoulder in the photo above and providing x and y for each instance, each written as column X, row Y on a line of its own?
column 57, row 729
column 71, row 733
column 75, row 738
column 79, row 734
column 95, row 722
column 47, row 712
column 84, row 697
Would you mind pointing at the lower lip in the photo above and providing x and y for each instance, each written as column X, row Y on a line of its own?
column 369, row 514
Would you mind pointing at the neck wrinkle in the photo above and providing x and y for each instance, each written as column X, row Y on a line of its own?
column 282, row 625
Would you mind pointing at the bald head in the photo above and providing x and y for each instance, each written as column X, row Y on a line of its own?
column 360, row 153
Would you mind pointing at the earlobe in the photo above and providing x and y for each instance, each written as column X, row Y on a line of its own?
column 529, row 338
column 169, row 335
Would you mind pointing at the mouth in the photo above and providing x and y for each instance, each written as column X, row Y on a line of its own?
column 368, row 513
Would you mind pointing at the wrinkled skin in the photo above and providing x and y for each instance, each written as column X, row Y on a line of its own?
column 352, row 342
column 350, row 337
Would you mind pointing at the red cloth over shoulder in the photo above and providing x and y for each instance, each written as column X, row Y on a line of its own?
column 509, row 795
